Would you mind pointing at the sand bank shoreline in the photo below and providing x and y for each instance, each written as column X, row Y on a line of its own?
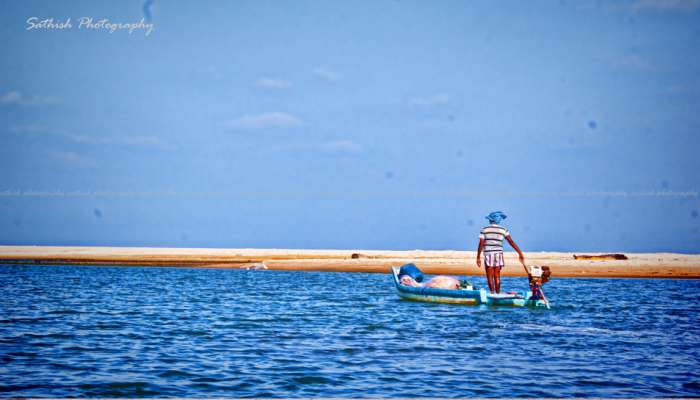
column 638, row 265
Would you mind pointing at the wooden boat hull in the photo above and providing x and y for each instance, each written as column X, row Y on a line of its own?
column 462, row 296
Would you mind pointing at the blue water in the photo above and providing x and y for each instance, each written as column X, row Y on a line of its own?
column 144, row 332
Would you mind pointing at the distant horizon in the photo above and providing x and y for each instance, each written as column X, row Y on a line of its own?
column 351, row 249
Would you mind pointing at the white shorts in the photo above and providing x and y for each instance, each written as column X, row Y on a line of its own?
column 494, row 259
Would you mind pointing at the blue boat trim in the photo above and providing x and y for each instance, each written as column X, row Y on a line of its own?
column 462, row 296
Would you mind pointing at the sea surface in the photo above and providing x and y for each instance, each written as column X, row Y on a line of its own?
column 147, row 332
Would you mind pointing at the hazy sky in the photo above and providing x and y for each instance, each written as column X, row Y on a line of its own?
column 352, row 124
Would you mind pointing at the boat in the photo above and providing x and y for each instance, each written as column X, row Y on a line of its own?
column 469, row 296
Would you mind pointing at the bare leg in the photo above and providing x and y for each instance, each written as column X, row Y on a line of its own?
column 489, row 279
column 497, row 279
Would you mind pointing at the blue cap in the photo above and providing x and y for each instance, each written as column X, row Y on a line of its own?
column 496, row 217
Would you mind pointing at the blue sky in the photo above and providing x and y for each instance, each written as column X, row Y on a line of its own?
column 370, row 124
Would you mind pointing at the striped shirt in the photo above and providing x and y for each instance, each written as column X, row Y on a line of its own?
column 493, row 236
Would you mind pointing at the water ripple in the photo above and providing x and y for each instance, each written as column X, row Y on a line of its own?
column 167, row 332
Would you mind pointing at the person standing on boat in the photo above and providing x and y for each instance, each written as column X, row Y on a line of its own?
column 491, row 244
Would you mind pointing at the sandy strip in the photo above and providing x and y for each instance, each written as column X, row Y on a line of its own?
column 639, row 265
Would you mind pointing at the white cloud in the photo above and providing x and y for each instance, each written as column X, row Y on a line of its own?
column 331, row 148
column 633, row 61
column 208, row 72
column 682, row 89
column 265, row 120
column 148, row 141
column 680, row 6
column 14, row 97
column 327, row 74
column 85, row 139
column 126, row 140
column 73, row 159
column 141, row 141
column 342, row 145
column 30, row 129
column 434, row 100
column 273, row 83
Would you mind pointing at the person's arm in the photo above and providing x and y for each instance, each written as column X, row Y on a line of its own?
column 520, row 253
column 478, row 252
